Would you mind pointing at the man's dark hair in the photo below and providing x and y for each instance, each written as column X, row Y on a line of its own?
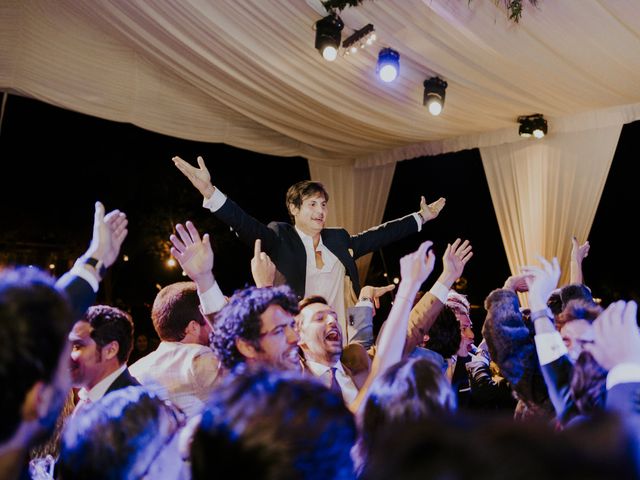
column 445, row 335
column 110, row 324
column 305, row 302
column 578, row 309
column 240, row 319
column 408, row 391
column 268, row 424
column 559, row 298
column 35, row 319
column 118, row 437
column 174, row 307
column 301, row 190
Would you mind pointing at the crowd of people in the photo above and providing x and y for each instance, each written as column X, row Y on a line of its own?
column 286, row 379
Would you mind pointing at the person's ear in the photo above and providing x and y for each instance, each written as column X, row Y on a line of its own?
column 246, row 349
column 110, row 350
column 293, row 210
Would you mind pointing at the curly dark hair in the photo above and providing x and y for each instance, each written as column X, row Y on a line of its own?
column 240, row 318
column 445, row 335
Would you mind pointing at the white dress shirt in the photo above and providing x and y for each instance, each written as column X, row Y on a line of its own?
column 349, row 389
column 183, row 373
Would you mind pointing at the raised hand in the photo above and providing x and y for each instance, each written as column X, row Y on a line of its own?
column 109, row 231
column 518, row 283
column 455, row 257
column 262, row 268
column 374, row 293
column 417, row 266
column 194, row 254
column 431, row 211
column 616, row 335
column 579, row 252
column 199, row 177
column 542, row 282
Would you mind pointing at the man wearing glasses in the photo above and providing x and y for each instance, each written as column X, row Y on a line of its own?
column 257, row 326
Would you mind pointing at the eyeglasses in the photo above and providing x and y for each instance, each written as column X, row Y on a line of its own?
column 177, row 419
column 279, row 330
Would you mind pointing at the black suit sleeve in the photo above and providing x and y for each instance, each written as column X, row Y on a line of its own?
column 557, row 376
column 79, row 293
column 246, row 227
column 382, row 235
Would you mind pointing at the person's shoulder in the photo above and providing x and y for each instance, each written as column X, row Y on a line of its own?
column 281, row 227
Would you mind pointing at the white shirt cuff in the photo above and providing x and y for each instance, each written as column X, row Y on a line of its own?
column 419, row 220
column 81, row 271
column 439, row 291
column 623, row 373
column 550, row 347
column 215, row 201
column 212, row 300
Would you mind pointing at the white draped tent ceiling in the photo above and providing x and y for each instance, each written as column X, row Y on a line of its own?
column 246, row 73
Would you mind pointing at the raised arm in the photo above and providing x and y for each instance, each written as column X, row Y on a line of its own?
column 199, row 177
column 81, row 283
column 425, row 312
column 263, row 269
column 432, row 210
column 555, row 364
column 578, row 254
column 195, row 256
column 616, row 348
column 414, row 268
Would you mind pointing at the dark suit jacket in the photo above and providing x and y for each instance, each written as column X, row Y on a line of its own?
column 283, row 244
column 124, row 380
column 79, row 293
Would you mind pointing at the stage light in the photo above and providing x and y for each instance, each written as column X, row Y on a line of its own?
column 434, row 93
column 359, row 39
column 388, row 65
column 534, row 124
column 328, row 34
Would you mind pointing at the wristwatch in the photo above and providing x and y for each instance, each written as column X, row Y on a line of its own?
column 98, row 265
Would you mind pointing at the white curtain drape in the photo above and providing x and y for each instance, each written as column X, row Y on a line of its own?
column 245, row 72
column 546, row 191
column 358, row 197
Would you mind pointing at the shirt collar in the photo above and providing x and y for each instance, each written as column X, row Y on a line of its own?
column 100, row 388
column 307, row 239
column 319, row 369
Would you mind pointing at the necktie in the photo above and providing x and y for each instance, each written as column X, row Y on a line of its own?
column 319, row 261
column 334, row 386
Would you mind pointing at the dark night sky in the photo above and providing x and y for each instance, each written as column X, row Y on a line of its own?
column 56, row 163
